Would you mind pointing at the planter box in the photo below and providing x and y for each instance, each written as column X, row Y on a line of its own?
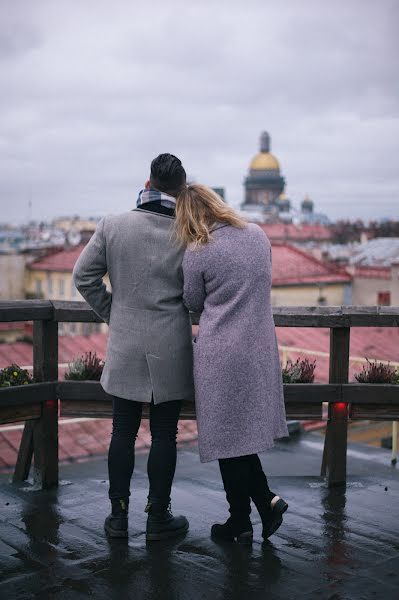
column 83, row 399
column 377, row 401
column 24, row 402
column 304, row 400
column 88, row 399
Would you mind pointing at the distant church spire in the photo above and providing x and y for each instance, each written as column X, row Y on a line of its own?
column 265, row 142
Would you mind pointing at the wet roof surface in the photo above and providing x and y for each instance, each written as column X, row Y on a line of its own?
column 334, row 544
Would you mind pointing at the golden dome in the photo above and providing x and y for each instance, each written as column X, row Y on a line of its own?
column 264, row 161
column 282, row 197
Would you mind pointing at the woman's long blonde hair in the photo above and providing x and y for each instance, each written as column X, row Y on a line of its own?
column 198, row 210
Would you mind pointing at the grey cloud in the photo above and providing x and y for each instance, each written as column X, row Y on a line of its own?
column 99, row 90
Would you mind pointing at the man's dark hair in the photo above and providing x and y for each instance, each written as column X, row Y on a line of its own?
column 167, row 174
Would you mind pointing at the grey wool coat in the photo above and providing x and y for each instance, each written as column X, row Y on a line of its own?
column 149, row 351
column 238, row 383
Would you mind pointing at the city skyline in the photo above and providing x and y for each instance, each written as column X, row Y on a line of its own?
column 90, row 96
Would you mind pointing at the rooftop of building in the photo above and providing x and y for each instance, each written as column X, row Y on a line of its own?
column 382, row 251
column 292, row 266
column 372, row 272
column 62, row 260
column 377, row 252
column 334, row 543
column 291, row 232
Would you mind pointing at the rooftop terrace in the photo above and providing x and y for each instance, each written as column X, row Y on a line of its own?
column 335, row 543
column 339, row 539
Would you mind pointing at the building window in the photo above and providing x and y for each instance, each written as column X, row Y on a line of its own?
column 321, row 300
column 50, row 286
column 73, row 290
column 61, row 287
column 72, row 328
column 384, row 298
column 38, row 288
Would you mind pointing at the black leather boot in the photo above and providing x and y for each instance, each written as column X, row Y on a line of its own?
column 161, row 524
column 235, row 475
column 116, row 524
column 233, row 530
column 262, row 497
column 273, row 518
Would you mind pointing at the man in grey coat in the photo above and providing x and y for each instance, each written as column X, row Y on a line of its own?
column 149, row 352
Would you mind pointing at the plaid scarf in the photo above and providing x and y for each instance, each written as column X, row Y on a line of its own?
column 152, row 195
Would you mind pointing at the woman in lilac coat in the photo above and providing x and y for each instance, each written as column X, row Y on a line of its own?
column 237, row 374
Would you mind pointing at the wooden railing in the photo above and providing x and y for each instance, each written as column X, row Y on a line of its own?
column 41, row 403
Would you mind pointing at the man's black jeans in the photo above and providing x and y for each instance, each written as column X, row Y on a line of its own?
column 162, row 458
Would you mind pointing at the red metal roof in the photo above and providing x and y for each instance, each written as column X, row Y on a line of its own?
column 296, row 233
column 292, row 266
column 64, row 260
column 365, row 342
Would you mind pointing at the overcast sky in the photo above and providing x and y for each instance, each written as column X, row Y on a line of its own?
column 90, row 92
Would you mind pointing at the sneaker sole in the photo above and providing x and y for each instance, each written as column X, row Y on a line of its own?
column 164, row 535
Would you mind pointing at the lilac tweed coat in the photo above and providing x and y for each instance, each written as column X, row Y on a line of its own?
column 238, row 385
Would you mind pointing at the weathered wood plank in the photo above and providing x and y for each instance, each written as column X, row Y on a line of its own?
column 74, row 312
column 94, row 409
column 335, row 443
column 284, row 316
column 19, row 412
column 376, row 412
column 100, row 409
column 81, row 390
column 25, row 454
column 369, row 393
column 311, row 393
column 33, row 393
column 335, row 316
column 25, row 310
column 301, row 410
column 88, row 399
column 45, row 433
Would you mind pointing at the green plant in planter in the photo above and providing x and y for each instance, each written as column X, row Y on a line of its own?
column 14, row 375
column 87, row 367
column 377, row 372
column 301, row 371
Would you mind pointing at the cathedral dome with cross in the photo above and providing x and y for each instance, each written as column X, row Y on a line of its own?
column 264, row 184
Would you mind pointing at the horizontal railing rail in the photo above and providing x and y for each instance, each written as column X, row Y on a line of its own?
column 284, row 316
column 40, row 404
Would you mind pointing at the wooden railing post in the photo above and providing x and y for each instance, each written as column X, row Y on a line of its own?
column 45, row 431
column 335, row 443
column 25, row 453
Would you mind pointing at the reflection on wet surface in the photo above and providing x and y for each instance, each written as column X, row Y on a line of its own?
column 338, row 544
